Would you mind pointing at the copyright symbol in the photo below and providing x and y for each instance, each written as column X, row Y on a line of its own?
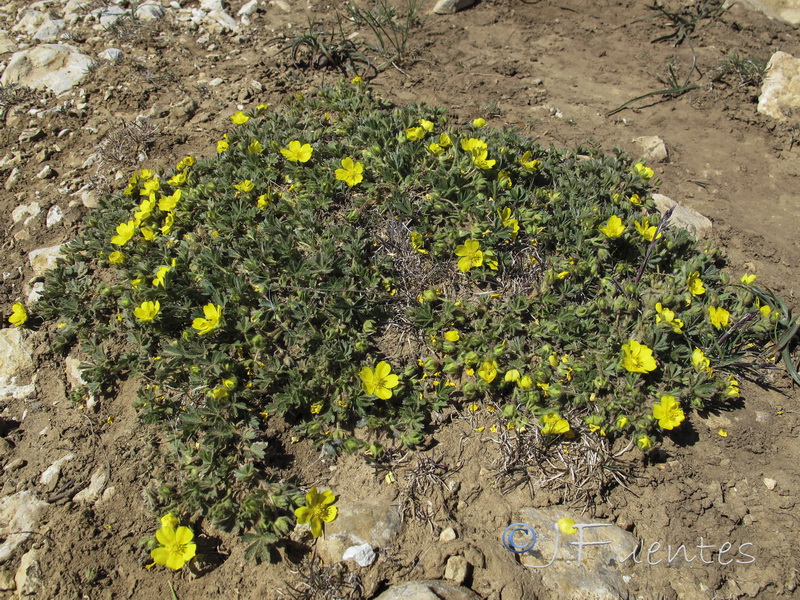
column 529, row 538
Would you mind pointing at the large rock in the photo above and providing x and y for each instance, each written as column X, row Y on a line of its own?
column 20, row 514
column 57, row 67
column 16, row 363
column 780, row 92
column 44, row 259
column 588, row 572
column 685, row 218
column 784, row 10
column 374, row 524
column 428, row 590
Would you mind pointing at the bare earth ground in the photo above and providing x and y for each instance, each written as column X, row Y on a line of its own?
column 553, row 69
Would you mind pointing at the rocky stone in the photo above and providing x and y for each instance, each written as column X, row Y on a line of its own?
column 363, row 555
column 37, row 289
column 248, row 9
column 783, row 10
column 28, row 577
column 50, row 475
column 90, row 494
column 13, row 178
column 7, row 583
column 209, row 5
column 591, row 572
column 44, row 259
column 770, row 483
column 75, row 6
column 111, row 54
column 54, row 215
column 108, row 15
column 16, row 363
column 218, row 21
column 57, row 67
column 7, row 44
column 27, row 212
column 448, row 535
column 15, row 464
column 49, row 30
column 653, row 147
column 684, row 217
column 46, row 172
column 457, row 569
column 374, row 524
column 428, row 590
column 150, row 11
column 448, row 7
column 20, row 514
column 780, row 91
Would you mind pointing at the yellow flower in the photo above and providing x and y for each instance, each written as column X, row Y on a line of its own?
column 644, row 443
column 148, row 234
column 733, row 387
column 244, row 186
column 316, row 408
column 719, row 317
column 452, row 335
column 223, row 144
column 695, row 284
column 622, row 422
column 168, row 203
column 525, row 382
column 480, row 160
column 613, row 228
column 416, row 243
column 765, row 311
column 668, row 317
column 668, row 412
column 150, row 187
column 379, row 382
column 553, row 424
column 471, row 255
column 529, row 164
column 637, row 358
column 747, row 279
column 212, row 313
column 567, row 525
column 479, row 122
column 444, row 140
column 169, row 222
column 356, row 80
column 161, row 275
column 263, row 201
column 176, row 547
column 116, row 258
column 18, row 315
column 504, row 179
column 647, row 231
column 124, row 233
column 426, row 125
column 351, row 172
column 185, row 162
column 255, row 147
column 473, row 144
column 642, row 171
column 415, row 133
column 297, row 152
column 177, row 180
column 700, row 362
column 510, row 222
column 635, row 200
column 435, row 148
column 469, row 371
column 147, row 311
column 562, row 275
column 135, row 283
column 722, row 433
column 488, row 371
column 512, row 375
column 318, row 510
column 239, row 118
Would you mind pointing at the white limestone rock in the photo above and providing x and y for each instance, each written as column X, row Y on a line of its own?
column 448, row 7
column 684, row 217
column 16, row 364
column 57, row 67
column 780, row 91
column 653, row 147
column 44, row 259
column 20, row 512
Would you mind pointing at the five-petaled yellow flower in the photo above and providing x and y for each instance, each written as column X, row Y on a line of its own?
column 351, row 172
column 719, row 317
column 318, row 510
column 642, row 171
column 18, row 315
column 239, row 118
column 297, row 152
column 255, row 147
column 116, row 257
column 644, row 443
column 488, row 371
column 747, row 279
column 667, row 316
column 637, row 358
column 553, row 424
column 479, row 122
column 176, row 547
column 528, row 163
column 379, row 382
column 212, row 313
column 147, row 311
column 647, row 231
column 415, row 133
column 452, row 336
column 244, row 186
column 700, row 362
column 668, row 412
column 417, row 243
column 471, row 255
column 613, row 228
column 695, row 284
column 124, row 233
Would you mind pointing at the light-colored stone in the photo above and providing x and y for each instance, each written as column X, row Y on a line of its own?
column 248, row 9
column 108, row 15
column 13, row 178
column 26, row 211
column 209, row 5
column 50, row 475
column 54, row 215
column 770, row 483
column 150, row 11
column 783, row 10
column 363, row 555
column 46, row 172
column 591, row 572
column 49, row 30
column 448, row 535
column 684, row 217
column 57, row 67
column 218, row 21
column 448, row 7
column 73, row 372
column 37, row 289
column 16, row 363
column 457, row 569
column 29, row 575
column 90, row 494
column 44, row 259
column 780, row 91
column 7, row 44
column 653, row 147
column 7, row 583
column 111, row 54
column 375, row 524
column 21, row 512
column 433, row 589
